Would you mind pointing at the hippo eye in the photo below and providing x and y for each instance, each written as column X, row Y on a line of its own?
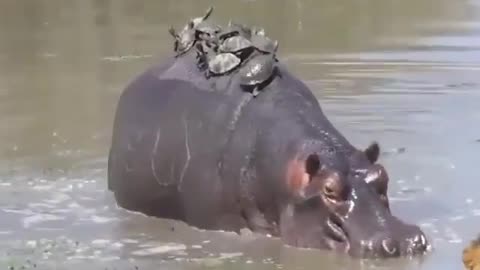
column 334, row 188
column 329, row 192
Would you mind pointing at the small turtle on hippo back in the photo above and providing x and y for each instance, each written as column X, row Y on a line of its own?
column 258, row 31
column 256, row 72
column 238, row 45
column 222, row 63
column 183, row 41
column 206, row 31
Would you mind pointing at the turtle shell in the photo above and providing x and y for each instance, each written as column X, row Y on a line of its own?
column 234, row 29
column 258, row 70
column 223, row 63
column 264, row 44
column 235, row 44
column 258, row 31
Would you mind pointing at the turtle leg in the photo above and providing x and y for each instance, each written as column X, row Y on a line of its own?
column 208, row 13
column 255, row 91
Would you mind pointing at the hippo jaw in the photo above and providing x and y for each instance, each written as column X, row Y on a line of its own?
column 371, row 230
column 346, row 213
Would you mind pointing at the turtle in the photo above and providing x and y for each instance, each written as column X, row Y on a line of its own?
column 196, row 21
column 221, row 63
column 193, row 23
column 257, row 71
column 258, row 31
column 264, row 44
column 234, row 29
column 238, row 45
column 183, row 41
column 206, row 30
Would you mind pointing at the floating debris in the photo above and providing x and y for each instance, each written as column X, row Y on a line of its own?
column 159, row 250
column 125, row 57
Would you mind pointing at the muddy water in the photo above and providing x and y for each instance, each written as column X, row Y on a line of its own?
column 404, row 73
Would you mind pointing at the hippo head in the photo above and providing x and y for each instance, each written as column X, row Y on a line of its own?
column 347, row 212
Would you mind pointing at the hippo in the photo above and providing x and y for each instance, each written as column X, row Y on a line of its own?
column 219, row 153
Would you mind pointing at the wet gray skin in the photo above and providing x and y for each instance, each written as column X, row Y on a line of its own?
column 350, row 214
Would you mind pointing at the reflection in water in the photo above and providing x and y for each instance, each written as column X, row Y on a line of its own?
column 400, row 72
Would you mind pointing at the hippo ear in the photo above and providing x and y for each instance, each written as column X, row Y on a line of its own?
column 312, row 188
column 312, row 164
column 300, row 174
column 372, row 152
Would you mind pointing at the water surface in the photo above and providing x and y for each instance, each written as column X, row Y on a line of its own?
column 403, row 73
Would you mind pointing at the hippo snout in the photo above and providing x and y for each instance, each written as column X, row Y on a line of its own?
column 386, row 245
column 417, row 243
column 382, row 245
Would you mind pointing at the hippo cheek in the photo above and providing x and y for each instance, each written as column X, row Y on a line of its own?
column 308, row 225
column 320, row 198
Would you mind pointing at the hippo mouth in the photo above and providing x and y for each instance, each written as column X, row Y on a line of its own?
column 337, row 237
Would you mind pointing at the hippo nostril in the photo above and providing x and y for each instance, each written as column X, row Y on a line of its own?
column 389, row 246
column 419, row 242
